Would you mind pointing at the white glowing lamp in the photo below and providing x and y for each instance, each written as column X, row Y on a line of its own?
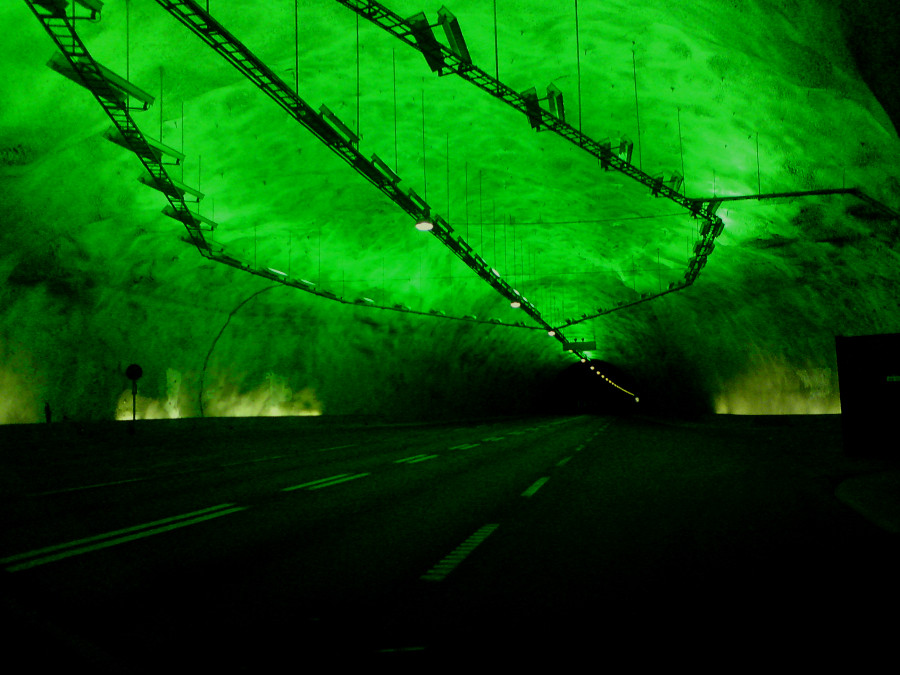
column 515, row 304
column 551, row 333
column 424, row 226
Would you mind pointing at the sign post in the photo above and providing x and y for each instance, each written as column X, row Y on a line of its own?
column 133, row 373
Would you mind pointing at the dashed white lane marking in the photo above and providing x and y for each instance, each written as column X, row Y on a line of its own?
column 535, row 486
column 563, row 462
column 450, row 562
column 407, row 459
column 337, row 447
column 465, row 447
column 314, row 482
column 424, row 459
column 579, row 448
column 415, row 459
column 516, row 433
column 492, row 439
column 319, row 486
column 87, row 487
column 49, row 554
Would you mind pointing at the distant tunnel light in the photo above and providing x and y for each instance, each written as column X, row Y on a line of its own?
column 495, row 272
column 551, row 333
column 515, row 304
column 424, row 226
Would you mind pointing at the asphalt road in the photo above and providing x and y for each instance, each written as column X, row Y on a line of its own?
column 235, row 548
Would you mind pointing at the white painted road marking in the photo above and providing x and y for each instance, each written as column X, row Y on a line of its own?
column 449, row 563
column 339, row 480
column 313, row 482
column 415, row 459
column 535, row 486
column 336, row 447
column 563, row 462
column 88, row 487
column 49, row 554
column 492, row 439
column 465, row 447
column 407, row 459
column 424, row 459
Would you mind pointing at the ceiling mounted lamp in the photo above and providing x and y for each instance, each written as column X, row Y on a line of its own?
column 551, row 333
column 424, row 226
column 515, row 304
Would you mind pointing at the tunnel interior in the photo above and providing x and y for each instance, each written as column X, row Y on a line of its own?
column 321, row 295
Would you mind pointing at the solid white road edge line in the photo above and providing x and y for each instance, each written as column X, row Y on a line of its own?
column 109, row 539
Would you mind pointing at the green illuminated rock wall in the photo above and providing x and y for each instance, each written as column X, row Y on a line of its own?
column 94, row 277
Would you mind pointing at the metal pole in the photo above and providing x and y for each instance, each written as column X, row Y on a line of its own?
column 636, row 110
column 496, row 50
column 448, row 176
column 358, row 132
column 127, row 46
column 394, row 64
column 424, row 172
column 578, row 59
column 681, row 143
column 758, row 174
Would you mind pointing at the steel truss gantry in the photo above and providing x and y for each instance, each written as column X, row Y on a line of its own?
column 341, row 140
column 81, row 67
column 444, row 61
column 61, row 28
